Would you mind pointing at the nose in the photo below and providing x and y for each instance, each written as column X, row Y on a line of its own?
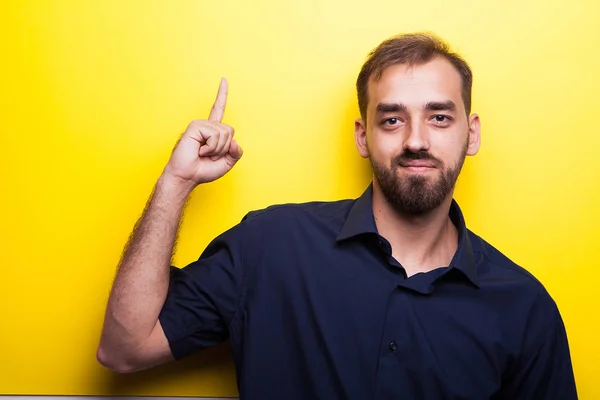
column 417, row 139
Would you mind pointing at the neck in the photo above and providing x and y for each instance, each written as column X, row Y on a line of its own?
column 420, row 243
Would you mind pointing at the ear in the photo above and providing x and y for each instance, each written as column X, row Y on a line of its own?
column 360, row 136
column 474, row 135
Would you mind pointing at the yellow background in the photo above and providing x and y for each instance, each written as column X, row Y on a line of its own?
column 94, row 95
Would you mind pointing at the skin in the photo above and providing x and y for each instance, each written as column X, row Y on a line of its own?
column 417, row 109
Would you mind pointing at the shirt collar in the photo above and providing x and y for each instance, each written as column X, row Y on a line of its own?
column 360, row 221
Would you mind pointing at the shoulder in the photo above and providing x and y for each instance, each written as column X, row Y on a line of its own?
column 526, row 307
column 279, row 215
column 267, row 236
column 277, row 223
column 493, row 261
column 497, row 271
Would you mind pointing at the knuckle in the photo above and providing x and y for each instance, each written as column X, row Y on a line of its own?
column 228, row 129
column 221, row 128
column 196, row 124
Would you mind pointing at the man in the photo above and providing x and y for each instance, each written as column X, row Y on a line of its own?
column 389, row 296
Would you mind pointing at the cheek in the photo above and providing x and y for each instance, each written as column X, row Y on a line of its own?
column 449, row 149
column 450, row 159
column 384, row 148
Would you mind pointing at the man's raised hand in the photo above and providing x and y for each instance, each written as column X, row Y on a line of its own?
column 206, row 151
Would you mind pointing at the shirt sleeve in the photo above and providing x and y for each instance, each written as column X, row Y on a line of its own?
column 544, row 370
column 203, row 296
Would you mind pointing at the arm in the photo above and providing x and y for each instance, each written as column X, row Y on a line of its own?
column 544, row 370
column 132, row 337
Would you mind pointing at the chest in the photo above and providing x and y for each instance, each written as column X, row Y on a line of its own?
column 350, row 321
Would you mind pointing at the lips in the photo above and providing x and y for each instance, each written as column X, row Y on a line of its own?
column 420, row 161
column 417, row 164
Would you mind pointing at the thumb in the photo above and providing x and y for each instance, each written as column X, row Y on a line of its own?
column 235, row 150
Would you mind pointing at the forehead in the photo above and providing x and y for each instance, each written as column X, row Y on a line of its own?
column 416, row 85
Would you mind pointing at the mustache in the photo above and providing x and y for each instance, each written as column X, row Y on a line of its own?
column 407, row 156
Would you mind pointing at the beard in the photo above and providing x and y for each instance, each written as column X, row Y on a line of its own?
column 417, row 194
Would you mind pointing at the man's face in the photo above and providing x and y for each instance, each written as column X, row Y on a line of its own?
column 417, row 134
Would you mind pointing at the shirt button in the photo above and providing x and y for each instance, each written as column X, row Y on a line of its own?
column 393, row 346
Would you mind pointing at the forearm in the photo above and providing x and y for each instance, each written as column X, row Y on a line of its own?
column 142, row 280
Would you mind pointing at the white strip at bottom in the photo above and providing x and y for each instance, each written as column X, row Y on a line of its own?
column 41, row 397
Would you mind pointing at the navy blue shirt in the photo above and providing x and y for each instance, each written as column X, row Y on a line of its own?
column 316, row 307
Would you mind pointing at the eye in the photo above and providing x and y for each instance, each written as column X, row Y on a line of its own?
column 441, row 120
column 391, row 121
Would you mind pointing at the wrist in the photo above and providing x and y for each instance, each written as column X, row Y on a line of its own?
column 175, row 185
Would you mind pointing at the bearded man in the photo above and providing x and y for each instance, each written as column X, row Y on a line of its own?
column 388, row 296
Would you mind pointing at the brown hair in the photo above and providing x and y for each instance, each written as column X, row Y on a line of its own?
column 411, row 49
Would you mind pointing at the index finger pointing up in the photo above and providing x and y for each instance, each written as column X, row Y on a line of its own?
column 218, row 109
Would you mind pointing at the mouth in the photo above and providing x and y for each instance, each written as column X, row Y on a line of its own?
column 418, row 166
column 419, row 170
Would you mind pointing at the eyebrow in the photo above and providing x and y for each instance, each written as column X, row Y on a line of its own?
column 441, row 106
column 448, row 105
column 390, row 107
